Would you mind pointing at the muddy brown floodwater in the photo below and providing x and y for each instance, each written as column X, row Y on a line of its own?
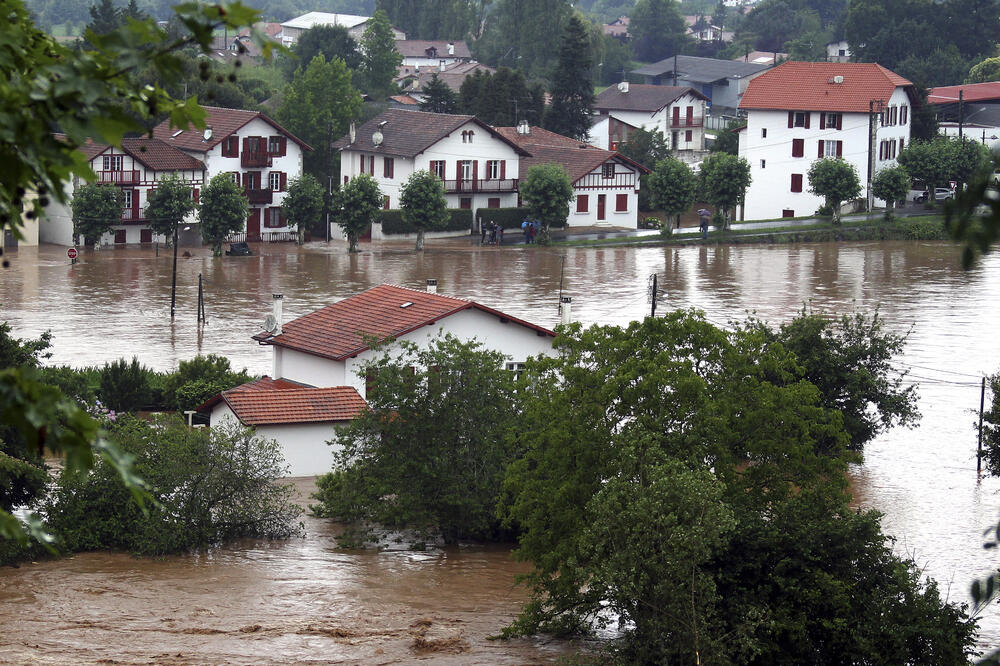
column 307, row 601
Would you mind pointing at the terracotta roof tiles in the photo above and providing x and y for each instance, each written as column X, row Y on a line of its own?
column 577, row 157
column 157, row 155
column 971, row 92
column 266, row 402
column 811, row 86
column 223, row 122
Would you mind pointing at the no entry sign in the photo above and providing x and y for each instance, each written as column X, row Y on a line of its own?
column 71, row 253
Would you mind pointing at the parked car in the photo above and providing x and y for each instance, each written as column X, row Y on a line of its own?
column 238, row 250
column 940, row 194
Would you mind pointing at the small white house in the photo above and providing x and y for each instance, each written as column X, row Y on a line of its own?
column 318, row 359
column 677, row 112
column 799, row 112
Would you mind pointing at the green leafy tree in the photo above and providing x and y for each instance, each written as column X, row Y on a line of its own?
column 572, row 84
column 520, row 34
column 657, row 30
column 358, row 205
column 985, row 70
column 198, row 379
column 724, row 180
column 125, row 386
column 891, row 184
column 430, row 452
column 96, row 208
column 303, row 204
column 223, row 210
column 546, row 192
column 168, row 204
column 211, row 485
column 672, row 187
column 423, row 203
column 379, row 57
column 502, row 99
column 318, row 106
column 330, row 41
column 728, row 140
column 104, row 18
column 836, row 180
column 648, row 148
column 970, row 158
column 684, row 483
column 932, row 162
column 438, row 97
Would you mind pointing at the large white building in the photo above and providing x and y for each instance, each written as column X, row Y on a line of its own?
column 356, row 25
column 677, row 112
column 799, row 112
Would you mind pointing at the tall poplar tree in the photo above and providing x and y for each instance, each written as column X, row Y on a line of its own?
column 657, row 29
column 379, row 57
column 572, row 84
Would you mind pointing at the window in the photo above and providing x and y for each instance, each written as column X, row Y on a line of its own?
column 608, row 170
column 832, row 148
column 901, row 144
column 127, row 199
column 466, row 168
column 371, row 165
column 830, row 121
column 276, row 181
column 273, row 218
column 582, row 203
column 362, row 164
column 493, row 202
column 467, row 136
column 787, row 212
column 515, row 367
column 798, row 119
column 903, row 110
column 112, row 162
column 388, row 165
column 621, row 203
column 236, row 176
column 492, row 169
column 798, row 147
column 796, row 182
column 231, row 146
column 763, row 132
column 465, row 203
column 437, row 168
column 256, row 144
column 763, row 164
column 276, row 145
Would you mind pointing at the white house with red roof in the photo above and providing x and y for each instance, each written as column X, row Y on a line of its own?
column 799, row 112
column 318, row 362
column 257, row 152
column 677, row 112
column 135, row 169
column 605, row 183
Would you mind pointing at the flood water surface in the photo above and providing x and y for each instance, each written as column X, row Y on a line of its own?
column 306, row 600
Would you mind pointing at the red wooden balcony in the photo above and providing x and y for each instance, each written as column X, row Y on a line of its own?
column 133, row 215
column 259, row 196
column 684, row 123
column 129, row 177
column 252, row 159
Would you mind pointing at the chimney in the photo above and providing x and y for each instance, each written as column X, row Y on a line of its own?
column 451, row 48
column 523, row 128
column 565, row 302
column 623, row 87
column 277, row 312
column 432, row 286
column 441, row 65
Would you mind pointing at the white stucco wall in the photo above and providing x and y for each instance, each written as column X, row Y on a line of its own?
column 306, row 368
column 612, row 217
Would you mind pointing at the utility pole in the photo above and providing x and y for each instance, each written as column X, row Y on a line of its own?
column 961, row 114
column 653, row 293
column 979, row 450
column 871, row 148
column 173, row 282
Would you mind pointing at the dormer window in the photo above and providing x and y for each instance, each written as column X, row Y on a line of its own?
column 467, row 136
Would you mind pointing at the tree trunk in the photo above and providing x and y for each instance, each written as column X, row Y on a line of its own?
column 352, row 241
column 420, row 240
column 835, row 210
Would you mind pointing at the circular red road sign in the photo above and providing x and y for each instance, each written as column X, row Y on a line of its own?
column 71, row 253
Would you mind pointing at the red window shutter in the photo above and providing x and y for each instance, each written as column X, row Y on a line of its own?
column 791, row 118
column 371, row 164
column 284, row 181
column 819, row 153
column 385, row 202
column 362, row 164
column 807, row 119
column 196, row 194
column 246, row 144
column 796, row 182
column 621, row 203
column 798, row 147
column 677, row 116
column 135, row 204
column 690, row 115
column 840, row 149
column 503, row 169
column 284, row 146
column 840, row 121
column 581, row 203
column 822, row 121
column 475, row 171
column 458, row 170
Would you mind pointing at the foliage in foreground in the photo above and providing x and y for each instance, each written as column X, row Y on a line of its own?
column 431, row 452
column 209, row 486
column 689, row 484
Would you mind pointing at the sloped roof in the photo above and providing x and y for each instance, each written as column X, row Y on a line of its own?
column 577, row 157
column 971, row 92
column 157, row 155
column 267, row 402
column 701, row 70
column 762, row 57
column 453, row 75
column 91, row 149
column 223, row 122
column 809, row 86
column 408, row 133
column 642, row 97
column 313, row 19
column 417, row 48
column 338, row 331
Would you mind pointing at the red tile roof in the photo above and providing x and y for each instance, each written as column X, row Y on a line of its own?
column 266, row 402
column 577, row 157
column 339, row 331
column 417, row 48
column 157, row 155
column 641, row 97
column 971, row 92
column 223, row 122
column 809, row 86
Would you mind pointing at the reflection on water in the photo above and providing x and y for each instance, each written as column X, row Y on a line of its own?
column 306, row 597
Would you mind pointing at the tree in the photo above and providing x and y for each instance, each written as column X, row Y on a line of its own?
column 104, row 18
column 648, row 148
column 438, row 96
column 198, row 379
column 891, row 184
column 672, row 187
column 223, row 210
column 318, row 106
column 430, row 451
column 520, row 34
column 572, row 84
column 125, row 386
column 657, row 30
column 987, row 69
column 724, row 182
column 211, row 485
column 330, row 41
column 358, row 205
column 836, row 180
column 546, row 192
column 931, row 162
column 685, row 482
column 96, row 208
column 423, row 203
column 379, row 57
column 728, row 140
column 168, row 204
column 303, row 204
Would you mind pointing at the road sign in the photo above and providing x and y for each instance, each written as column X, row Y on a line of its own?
column 71, row 253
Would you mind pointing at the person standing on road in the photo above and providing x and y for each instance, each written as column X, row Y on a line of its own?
column 499, row 234
column 704, row 215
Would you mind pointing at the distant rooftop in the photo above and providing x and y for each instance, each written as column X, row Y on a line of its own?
column 701, row 70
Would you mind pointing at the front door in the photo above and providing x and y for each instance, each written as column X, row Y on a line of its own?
column 601, row 199
column 253, row 225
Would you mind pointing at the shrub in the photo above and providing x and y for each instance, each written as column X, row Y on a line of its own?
column 124, row 385
column 460, row 219
column 198, row 379
column 508, row 218
column 209, row 485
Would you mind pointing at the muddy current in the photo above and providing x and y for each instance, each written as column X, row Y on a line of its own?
column 306, row 600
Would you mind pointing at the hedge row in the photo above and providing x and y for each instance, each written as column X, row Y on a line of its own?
column 508, row 218
column 460, row 219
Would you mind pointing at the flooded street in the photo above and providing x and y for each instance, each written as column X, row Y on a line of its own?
column 305, row 600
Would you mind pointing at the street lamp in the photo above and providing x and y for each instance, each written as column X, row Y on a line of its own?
column 173, row 282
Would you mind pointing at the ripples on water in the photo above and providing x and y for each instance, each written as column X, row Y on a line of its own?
column 116, row 303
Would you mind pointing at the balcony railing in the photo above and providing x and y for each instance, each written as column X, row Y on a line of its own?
column 684, row 123
column 251, row 159
column 128, row 177
column 492, row 185
column 259, row 196
column 133, row 215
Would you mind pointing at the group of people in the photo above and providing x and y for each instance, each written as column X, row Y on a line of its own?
column 495, row 232
column 530, row 229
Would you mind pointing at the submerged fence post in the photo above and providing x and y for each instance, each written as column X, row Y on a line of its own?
column 979, row 450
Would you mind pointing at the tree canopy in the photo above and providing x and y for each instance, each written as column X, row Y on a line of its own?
column 330, row 41
column 95, row 209
column 168, row 204
column 546, row 192
column 223, row 210
column 303, row 204
column 379, row 57
column 423, row 203
column 891, row 184
column 657, row 30
column 572, row 84
column 724, row 182
column 357, row 205
column 836, row 180
column 439, row 97
column 672, row 187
